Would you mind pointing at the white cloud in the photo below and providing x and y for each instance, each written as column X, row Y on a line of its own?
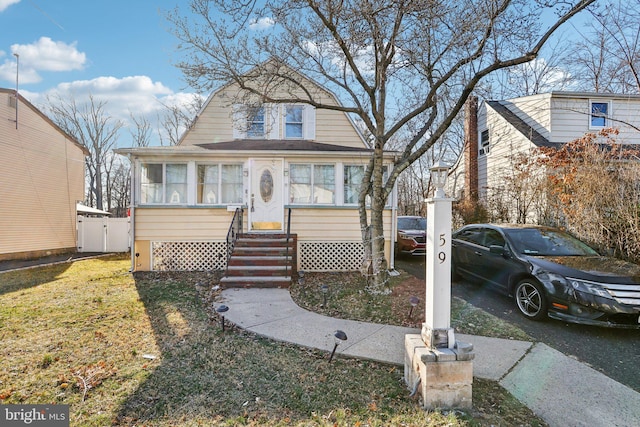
column 261, row 24
column 137, row 95
column 43, row 55
column 6, row 3
column 48, row 55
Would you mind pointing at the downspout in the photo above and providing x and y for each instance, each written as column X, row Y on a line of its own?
column 394, row 224
column 132, row 222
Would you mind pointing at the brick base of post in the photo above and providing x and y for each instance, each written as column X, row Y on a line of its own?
column 443, row 377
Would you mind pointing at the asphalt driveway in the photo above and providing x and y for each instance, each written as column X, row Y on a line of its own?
column 614, row 352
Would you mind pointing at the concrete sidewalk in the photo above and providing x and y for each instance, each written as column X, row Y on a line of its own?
column 559, row 389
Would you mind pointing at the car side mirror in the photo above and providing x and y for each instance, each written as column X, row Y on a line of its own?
column 499, row 250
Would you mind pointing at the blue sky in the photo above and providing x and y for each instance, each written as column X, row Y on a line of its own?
column 119, row 51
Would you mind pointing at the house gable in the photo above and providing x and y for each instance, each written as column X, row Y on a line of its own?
column 528, row 130
column 228, row 112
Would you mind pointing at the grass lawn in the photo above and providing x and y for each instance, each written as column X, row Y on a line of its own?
column 148, row 350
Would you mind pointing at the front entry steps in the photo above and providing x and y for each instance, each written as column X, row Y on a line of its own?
column 261, row 260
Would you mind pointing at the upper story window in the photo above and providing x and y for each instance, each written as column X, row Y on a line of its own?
column 599, row 113
column 163, row 183
column 274, row 121
column 255, row 123
column 219, row 184
column 314, row 184
column 293, row 122
column 484, row 142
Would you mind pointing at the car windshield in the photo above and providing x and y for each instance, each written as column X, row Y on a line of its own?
column 412, row 223
column 547, row 242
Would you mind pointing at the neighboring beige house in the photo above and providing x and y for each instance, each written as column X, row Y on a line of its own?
column 520, row 125
column 42, row 170
column 270, row 163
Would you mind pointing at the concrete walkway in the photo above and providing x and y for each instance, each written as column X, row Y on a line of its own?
column 559, row 389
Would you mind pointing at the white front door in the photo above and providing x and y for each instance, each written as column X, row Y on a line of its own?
column 266, row 202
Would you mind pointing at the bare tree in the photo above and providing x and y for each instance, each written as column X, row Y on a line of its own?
column 396, row 64
column 546, row 73
column 91, row 125
column 607, row 56
column 140, row 131
column 120, row 186
column 175, row 119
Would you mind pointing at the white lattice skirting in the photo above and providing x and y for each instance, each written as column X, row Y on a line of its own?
column 205, row 256
column 330, row 256
column 188, row 256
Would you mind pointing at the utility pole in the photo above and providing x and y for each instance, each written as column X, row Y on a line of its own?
column 17, row 74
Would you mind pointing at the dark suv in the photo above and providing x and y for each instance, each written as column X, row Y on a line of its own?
column 412, row 235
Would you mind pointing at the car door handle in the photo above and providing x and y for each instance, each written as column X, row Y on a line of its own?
column 477, row 253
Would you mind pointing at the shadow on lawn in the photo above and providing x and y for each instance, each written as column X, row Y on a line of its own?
column 19, row 280
column 204, row 377
column 182, row 379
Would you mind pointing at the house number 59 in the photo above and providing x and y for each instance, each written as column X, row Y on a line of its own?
column 441, row 255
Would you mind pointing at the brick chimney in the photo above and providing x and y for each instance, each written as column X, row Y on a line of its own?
column 471, row 149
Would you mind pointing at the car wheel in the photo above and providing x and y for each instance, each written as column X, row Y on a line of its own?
column 531, row 300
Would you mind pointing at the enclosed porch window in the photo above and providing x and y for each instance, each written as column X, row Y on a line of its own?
column 163, row 183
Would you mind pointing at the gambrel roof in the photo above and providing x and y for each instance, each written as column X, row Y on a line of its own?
column 279, row 145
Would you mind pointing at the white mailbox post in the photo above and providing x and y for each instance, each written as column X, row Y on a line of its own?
column 437, row 365
column 436, row 330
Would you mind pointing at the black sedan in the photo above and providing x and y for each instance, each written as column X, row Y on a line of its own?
column 549, row 273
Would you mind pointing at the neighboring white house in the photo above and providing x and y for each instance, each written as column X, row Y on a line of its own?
column 520, row 125
column 42, row 170
column 281, row 167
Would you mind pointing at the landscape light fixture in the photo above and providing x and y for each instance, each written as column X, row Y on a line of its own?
column 301, row 278
column 414, row 301
column 439, row 172
column 221, row 310
column 339, row 337
column 325, row 290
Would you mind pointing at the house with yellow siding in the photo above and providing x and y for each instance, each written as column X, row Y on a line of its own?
column 42, row 170
column 285, row 171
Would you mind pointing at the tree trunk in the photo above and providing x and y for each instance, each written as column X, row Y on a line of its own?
column 377, row 265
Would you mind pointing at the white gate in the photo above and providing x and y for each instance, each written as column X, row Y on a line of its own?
column 103, row 234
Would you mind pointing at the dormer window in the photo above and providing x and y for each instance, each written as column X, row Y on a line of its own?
column 293, row 121
column 274, row 121
column 255, row 122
